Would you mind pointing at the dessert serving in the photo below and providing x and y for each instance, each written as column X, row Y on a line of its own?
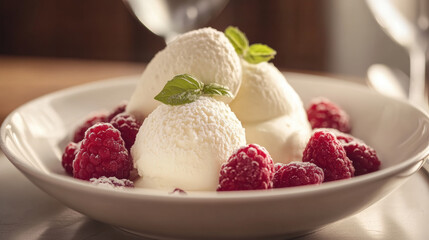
column 35, row 136
column 210, row 113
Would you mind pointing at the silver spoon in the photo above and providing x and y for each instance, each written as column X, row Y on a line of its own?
column 388, row 81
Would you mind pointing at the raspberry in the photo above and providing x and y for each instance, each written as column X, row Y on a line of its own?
column 128, row 126
column 134, row 175
column 364, row 157
column 344, row 138
column 178, row 191
column 324, row 150
column 80, row 130
column 102, row 153
column 249, row 168
column 322, row 113
column 297, row 174
column 277, row 166
column 118, row 109
column 68, row 157
column 112, row 182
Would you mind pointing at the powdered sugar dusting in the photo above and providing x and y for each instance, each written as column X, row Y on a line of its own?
column 112, row 182
column 249, row 168
column 364, row 157
column 189, row 143
column 297, row 174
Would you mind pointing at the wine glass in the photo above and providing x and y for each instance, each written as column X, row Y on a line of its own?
column 168, row 18
column 407, row 23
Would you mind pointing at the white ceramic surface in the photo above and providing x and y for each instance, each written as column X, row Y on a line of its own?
column 34, row 135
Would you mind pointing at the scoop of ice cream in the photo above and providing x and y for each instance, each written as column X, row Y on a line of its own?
column 205, row 54
column 271, row 112
column 264, row 94
column 184, row 146
column 284, row 137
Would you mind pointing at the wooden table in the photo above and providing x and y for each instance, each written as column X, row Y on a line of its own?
column 23, row 79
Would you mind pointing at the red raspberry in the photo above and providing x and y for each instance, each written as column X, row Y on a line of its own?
column 277, row 166
column 324, row 150
column 118, row 109
column 364, row 157
column 342, row 137
column 79, row 134
column 128, row 126
column 322, row 113
column 112, row 182
column 102, row 153
column 68, row 157
column 297, row 174
column 134, row 175
column 178, row 191
column 249, row 168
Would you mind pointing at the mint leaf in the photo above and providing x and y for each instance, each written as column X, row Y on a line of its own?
column 238, row 39
column 254, row 53
column 180, row 90
column 184, row 89
column 259, row 53
column 216, row 89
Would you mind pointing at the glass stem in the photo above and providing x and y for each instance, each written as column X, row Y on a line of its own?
column 417, row 76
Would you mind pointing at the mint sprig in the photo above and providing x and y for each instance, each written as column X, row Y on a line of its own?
column 238, row 39
column 255, row 53
column 213, row 89
column 184, row 89
column 259, row 53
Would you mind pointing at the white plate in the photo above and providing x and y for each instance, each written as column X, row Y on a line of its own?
column 34, row 136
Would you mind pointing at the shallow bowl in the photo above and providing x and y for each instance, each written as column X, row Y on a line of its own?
column 34, row 136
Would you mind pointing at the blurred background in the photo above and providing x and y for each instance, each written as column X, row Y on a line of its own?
column 47, row 45
column 335, row 36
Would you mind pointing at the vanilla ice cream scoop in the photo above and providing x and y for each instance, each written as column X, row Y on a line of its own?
column 205, row 54
column 184, row 146
column 271, row 112
column 264, row 94
column 284, row 137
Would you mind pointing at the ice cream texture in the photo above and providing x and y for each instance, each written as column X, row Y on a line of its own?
column 271, row 112
column 184, row 146
column 265, row 94
column 284, row 137
column 205, row 54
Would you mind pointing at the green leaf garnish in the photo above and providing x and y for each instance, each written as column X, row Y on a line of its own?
column 216, row 89
column 255, row 53
column 237, row 38
column 180, row 90
column 184, row 89
column 259, row 53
